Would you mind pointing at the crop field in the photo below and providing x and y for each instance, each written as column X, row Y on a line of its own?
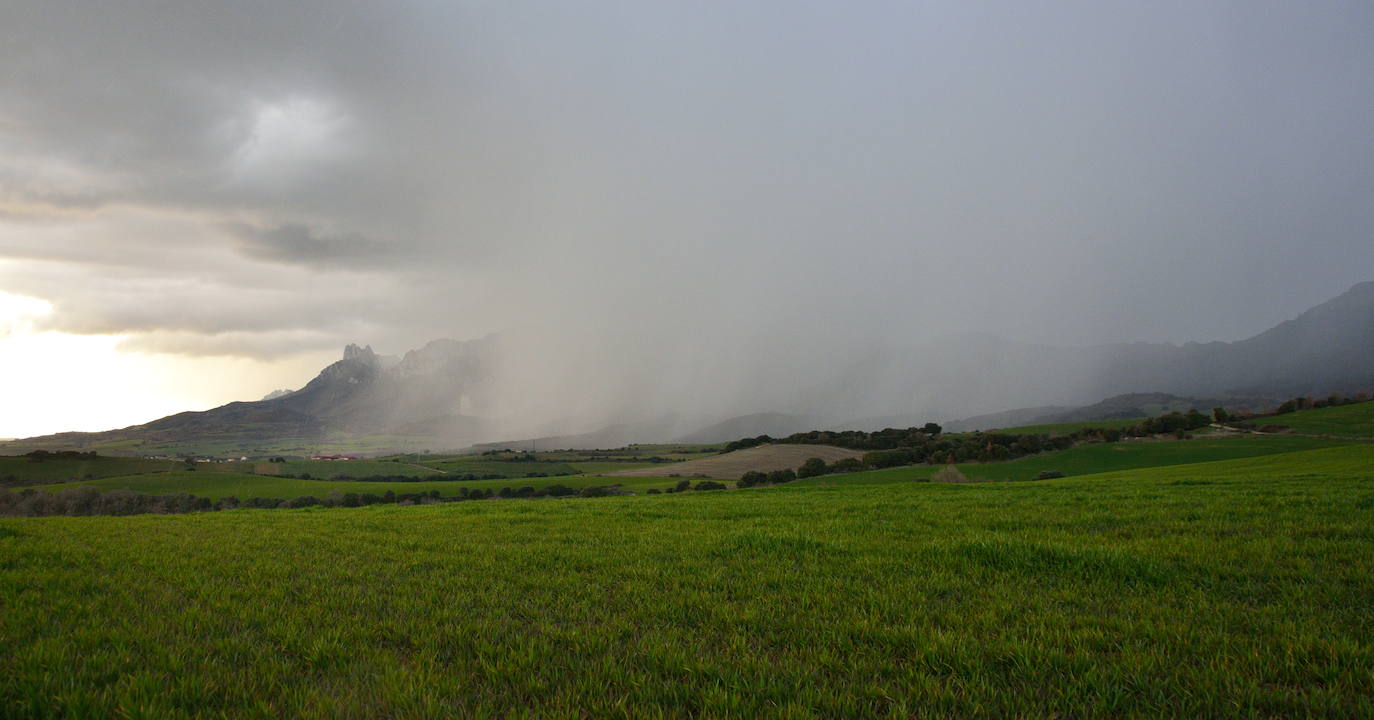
column 1355, row 420
column 23, row 470
column 1237, row 589
column 244, row 486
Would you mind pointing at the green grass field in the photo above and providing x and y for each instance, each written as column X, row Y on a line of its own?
column 1351, row 420
column 1237, row 589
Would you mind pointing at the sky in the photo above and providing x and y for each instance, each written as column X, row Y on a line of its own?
column 204, row 201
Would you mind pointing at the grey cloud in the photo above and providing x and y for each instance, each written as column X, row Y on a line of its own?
column 258, row 345
column 301, row 245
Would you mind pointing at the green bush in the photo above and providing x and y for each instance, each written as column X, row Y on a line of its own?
column 846, row 465
column 778, row 477
column 751, row 479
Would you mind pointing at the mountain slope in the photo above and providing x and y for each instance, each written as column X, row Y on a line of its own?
column 1329, row 348
column 1117, row 407
column 774, row 424
column 421, row 396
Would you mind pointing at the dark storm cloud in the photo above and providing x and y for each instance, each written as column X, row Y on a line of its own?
column 301, row 245
column 722, row 178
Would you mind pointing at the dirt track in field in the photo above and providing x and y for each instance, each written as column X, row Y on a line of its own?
column 731, row 466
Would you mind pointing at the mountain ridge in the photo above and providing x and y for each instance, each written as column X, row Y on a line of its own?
column 443, row 392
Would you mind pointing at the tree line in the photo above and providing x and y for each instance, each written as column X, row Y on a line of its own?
column 854, row 439
column 1307, row 403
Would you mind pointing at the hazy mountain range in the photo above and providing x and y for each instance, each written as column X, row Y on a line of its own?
column 446, row 392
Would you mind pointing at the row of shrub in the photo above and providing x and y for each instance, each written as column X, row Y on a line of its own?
column 755, row 478
column 853, row 439
column 87, row 500
column 1174, row 422
column 915, row 446
column 686, row 485
column 42, row 455
column 1307, row 403
column 813, row 467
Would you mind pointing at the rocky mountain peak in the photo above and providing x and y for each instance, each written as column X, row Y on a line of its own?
column 364, row 354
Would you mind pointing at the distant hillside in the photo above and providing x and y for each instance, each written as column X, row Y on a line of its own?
column 1119, row 407
column 1326, row 349
column 1006, row 418
column 1323, row 350
column 611, row 436
column 774, row 424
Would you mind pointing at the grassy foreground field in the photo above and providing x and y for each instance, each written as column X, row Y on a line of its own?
column 1228, row 589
